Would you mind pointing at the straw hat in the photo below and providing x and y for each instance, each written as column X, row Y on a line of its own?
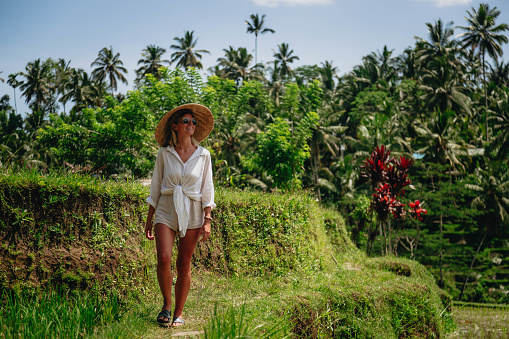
column 202, row 128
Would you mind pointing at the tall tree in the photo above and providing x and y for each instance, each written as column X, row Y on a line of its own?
column 14, row 83
column 151, row 61
column 484, row 34
column 407, row 63
column 227, row 64
column 285, row 57
column 442, row 88
column 440, row 141
column 499, row 145
column 109, row 66
column 500, row 74
column 185, row 53
column 36, row 85
column 328, row 74
column 63, row 72
column 439, row 46
column 79, row 89
column 256, row 27
column 243, row 61
column 235, row 65
column 275, row 83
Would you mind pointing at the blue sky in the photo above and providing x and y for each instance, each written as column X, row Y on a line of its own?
column 341, row 31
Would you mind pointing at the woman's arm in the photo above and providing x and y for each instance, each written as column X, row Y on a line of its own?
column 205, row 230
column 148, row 224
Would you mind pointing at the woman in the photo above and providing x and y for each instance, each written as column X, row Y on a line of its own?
column 181, row 200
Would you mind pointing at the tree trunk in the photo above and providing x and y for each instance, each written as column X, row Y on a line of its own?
column 485, row 94
column 256, row 49
column 441, row 251
column 382, row 234
column 472, row 265
column 388, row 250
column 371, row 238
column 15, row 104
column 317, row 165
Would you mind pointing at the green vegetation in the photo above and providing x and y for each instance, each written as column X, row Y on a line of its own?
column 57, row 313
column 276, row 127
column 279, row 262
column 480, row 320
column 70, row 230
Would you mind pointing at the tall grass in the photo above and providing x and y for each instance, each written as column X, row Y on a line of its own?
column 74, row 182
column 286, row 260
column 236, row 323
column 57, row 314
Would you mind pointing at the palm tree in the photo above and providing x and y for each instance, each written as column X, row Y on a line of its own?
column 493, row 198
column 439, row 43
column 500, row 74
column 78, row 88
column 186, row 55
column 256, row 27
column 275, row 83
column 63, row 72
column 11, row 129
column 227, row 65
column 500, row 142
column 493, row 190
column 377, row 69
column 328, row 73
column 473, row 66
column 14, row 83
column 324, row 139
column 151, row 61
column 386, row 64
column 36, row 85
column 243, row 61
column 407, row 64
column 483, row 33
column 284, row 57
column 440, row 52
column 442, row 88
column 440, row 140
column 109, row 65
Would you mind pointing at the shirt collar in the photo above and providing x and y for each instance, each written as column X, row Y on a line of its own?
column 198, row 152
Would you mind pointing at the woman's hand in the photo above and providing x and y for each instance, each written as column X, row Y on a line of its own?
column 148, row 230
column 205, row 230
column 148, row 224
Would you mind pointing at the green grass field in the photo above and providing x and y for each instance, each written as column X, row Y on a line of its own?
column 277, row 265
column 337, row 303
column 480, row 321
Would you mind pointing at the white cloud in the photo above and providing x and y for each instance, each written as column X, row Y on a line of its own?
column 276, row 3
column 447, row 3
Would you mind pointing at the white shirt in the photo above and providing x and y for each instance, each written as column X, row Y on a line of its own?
column 186, row 181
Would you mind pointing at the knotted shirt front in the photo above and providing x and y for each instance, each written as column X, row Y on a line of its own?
column 188, row 183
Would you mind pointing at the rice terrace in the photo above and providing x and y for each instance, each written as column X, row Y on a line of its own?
column 369, row 204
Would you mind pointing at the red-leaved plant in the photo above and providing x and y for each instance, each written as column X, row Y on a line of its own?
column 416, row 209
column 388, row 177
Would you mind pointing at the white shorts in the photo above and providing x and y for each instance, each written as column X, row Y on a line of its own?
column 166, row 213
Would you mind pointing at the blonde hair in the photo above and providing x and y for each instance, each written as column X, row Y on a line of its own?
column 172, row 139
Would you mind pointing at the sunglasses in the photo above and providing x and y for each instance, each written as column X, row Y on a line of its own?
column 185, row 121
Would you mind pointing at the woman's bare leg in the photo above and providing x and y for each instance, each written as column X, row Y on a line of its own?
column 186, row 249
column 164, row 245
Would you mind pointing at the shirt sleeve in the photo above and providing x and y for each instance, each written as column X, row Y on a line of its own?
column 157, row 178
column 207, row 198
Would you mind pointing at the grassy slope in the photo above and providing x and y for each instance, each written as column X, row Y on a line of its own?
column 274, row 259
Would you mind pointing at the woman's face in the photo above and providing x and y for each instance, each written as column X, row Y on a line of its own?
column 184, row 129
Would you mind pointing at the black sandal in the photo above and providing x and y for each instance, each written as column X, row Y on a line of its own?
column 177, row 322
column 164, row 318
